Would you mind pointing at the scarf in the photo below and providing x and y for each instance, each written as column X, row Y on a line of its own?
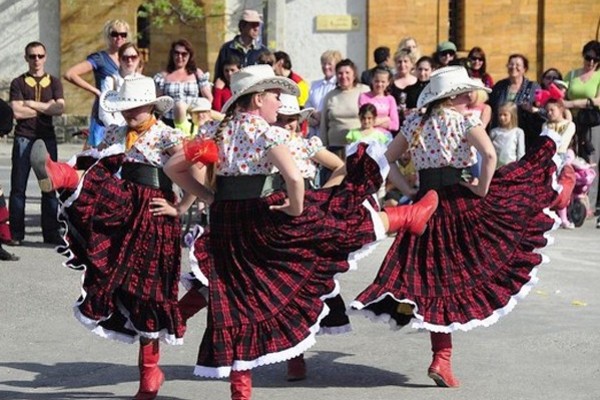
column 133, row 134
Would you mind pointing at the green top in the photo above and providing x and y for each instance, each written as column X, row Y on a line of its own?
column 582, row 90
column 186, row 127
column 356, row 135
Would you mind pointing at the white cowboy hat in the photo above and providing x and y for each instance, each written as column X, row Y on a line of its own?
column 136, row 91
column 447, row 82
column 290, row 106
column 199, row 104
column 255, row 79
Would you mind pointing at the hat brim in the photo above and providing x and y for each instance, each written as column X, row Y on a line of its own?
column 286, row 85
column 303, row 114
column 427, row 96
column 111, row 102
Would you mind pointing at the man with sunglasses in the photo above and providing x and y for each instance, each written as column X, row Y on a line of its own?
column 35, row 98
column 245, row 45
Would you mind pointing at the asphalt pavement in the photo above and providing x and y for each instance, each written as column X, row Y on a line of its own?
column 547, row 348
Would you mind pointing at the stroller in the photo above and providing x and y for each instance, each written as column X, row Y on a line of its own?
column 579, row 207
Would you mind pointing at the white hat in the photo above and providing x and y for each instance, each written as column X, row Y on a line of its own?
column 199, row 104
column 446, row 82
column 251, row 16
column 136, row 91
column 255, row 79
column 290, row 106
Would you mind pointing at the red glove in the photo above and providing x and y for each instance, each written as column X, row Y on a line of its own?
column 200, row 150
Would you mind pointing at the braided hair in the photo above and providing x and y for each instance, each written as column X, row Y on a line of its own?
column 243, row 102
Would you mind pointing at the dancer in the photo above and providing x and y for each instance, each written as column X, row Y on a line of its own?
column 478, row 255
column 275, row 254
column 131, row 258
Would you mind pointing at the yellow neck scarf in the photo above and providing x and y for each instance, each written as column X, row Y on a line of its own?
column 134, row 133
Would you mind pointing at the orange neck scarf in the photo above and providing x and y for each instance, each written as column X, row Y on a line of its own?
column 134, row 133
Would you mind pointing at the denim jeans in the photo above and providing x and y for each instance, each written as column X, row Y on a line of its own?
column 21, row 166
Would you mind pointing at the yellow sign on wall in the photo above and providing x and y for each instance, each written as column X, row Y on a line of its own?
column 340, row 23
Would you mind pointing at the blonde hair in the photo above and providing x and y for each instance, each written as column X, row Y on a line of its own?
column 110, row 25
column 402, row 46
column 481, row 97
column 405, row 54
column 331, row 55
column 511, row 108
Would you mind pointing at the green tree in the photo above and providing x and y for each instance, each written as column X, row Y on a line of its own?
column 178, row 11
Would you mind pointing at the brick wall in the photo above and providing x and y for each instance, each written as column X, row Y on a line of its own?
column 549, row 33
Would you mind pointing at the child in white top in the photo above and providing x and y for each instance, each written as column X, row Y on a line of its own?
column 508, row 139
column 566, row 129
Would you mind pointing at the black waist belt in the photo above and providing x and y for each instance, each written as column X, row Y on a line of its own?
column 246, row 187
column 436, row 178
column 146, row 175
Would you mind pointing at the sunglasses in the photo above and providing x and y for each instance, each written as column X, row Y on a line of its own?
column 551, row 77
column 591, row 58
column 476, row 59
column 129, row 58
column 180, row 53
column 447, row 53
column 116, row 34
column 36, row 56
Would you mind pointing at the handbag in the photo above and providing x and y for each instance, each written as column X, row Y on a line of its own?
column 588, row 117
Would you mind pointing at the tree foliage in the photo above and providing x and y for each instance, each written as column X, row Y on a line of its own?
column 178, row 11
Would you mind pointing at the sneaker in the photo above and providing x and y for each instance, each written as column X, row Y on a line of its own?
column 14, row 243
column 598, row 223
column 567, row 225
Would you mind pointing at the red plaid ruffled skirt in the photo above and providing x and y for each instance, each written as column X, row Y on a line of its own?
column 130, row 258
column 269, row 273
column 477, row 257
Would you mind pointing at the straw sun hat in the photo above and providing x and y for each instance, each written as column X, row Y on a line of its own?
column 256, row 79
column 447, row 82
column 290, row 106
column 136, row 91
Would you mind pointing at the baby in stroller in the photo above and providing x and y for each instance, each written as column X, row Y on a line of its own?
column 579, row 207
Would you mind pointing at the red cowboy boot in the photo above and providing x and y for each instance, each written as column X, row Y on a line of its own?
column 51, row 175
column 413, row 217
column 440, row 369
column 192, row 302
column 241, row 385
column 296, row 369
column 200, row 150
column 151, row 377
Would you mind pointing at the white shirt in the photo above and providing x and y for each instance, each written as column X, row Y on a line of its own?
column 318, row 90
column 509, row 144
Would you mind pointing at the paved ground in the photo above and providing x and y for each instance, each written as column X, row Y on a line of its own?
column 546, row 349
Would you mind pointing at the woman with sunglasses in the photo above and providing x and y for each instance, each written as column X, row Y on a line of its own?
column 549, row 76
column 102, row 63
column 584, row 93
column 182, row 81
column 478, row 65
column 129, row 59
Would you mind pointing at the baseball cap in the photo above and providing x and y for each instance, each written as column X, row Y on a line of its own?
column 251, row 16
column 446, row 46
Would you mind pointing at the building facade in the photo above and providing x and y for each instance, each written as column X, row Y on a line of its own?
column 549, row 33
